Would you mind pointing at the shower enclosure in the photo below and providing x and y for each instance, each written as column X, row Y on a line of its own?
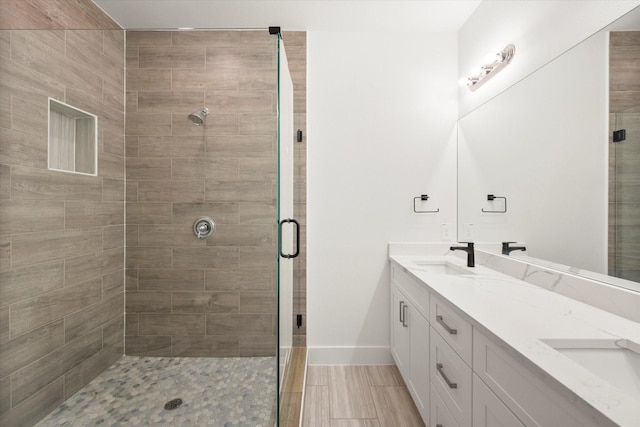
column 230, row 294
column 71, row 302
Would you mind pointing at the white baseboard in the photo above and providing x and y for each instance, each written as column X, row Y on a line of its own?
column 350, row 356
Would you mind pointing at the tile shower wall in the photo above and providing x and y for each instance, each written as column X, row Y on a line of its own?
column 61, row 234
column 185, row 296
column 624, row 157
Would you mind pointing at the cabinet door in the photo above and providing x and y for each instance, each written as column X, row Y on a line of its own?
column 400, row 331
column 419, row 361
column 488, row 410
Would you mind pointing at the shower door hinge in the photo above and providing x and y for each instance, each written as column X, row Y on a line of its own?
column 299, row 320
column 619, row 135
column 299, row 135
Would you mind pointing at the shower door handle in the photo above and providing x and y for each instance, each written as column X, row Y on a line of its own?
column 297, row 252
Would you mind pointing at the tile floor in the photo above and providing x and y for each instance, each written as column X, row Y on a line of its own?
column 358, row 396
column 217, row 392
column 230, row 392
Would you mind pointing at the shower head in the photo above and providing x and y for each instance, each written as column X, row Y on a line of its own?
column 197, row 117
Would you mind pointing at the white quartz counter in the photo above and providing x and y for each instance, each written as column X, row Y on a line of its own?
column 521, row 315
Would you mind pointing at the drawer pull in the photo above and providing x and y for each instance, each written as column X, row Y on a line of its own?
column 440, row 369
column 404, row 316
column 400, row 312
column 449, row 329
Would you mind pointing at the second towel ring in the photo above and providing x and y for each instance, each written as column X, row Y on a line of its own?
column 424, row 198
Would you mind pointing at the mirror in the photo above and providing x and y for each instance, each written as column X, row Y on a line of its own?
column 533, row 164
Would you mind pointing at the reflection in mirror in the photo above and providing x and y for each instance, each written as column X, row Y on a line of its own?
column 542, row 144
column 624, row 155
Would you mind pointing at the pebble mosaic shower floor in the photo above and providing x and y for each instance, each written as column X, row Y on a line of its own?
column 217, row 392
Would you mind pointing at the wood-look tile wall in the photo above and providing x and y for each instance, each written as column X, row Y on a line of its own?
column 624, row 157
column 296, row 48
column 185, row 296
column 61, row 234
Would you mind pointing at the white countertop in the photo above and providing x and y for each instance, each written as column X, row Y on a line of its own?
column 521, row 314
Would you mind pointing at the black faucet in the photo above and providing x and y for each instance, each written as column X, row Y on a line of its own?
column 507, row 249
column 471, row 257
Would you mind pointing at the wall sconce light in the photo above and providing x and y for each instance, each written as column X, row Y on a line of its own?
column 503, row 58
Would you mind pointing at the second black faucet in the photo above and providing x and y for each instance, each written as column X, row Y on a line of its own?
column 471, row 256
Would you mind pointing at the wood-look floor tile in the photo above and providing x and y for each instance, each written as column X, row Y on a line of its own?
column 316, row 407
column 384, row 375
column 294, row 376
column 395, row 407
column 355, row 422
column 290, row 409
column 317, row 375
column 349, row 394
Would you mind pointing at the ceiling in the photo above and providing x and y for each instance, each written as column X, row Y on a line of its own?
column 309, row 15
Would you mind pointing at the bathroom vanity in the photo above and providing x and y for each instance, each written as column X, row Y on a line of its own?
column 479, row 347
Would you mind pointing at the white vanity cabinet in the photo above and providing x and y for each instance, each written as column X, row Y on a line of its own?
column 458, row 374
column 410, row 336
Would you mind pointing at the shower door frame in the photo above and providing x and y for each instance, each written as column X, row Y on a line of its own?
column 288, row 247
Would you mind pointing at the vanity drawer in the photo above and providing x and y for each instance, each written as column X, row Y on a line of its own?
column 452, row 327
column 417, row 292
column 439, row 415
column 525, row 393
column 451, row 377
column 488, row 410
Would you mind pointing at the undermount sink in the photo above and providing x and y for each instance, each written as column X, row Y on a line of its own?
column 441, row 267
column 615, row 361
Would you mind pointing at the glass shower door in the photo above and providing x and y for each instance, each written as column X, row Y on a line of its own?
column 288, row 228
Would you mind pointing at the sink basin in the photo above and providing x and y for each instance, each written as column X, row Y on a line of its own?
column 441, row 267
column 615, row 361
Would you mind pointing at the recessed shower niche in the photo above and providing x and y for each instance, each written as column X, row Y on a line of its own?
column 73, row 139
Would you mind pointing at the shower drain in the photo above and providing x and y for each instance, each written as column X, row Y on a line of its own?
column 172, row 404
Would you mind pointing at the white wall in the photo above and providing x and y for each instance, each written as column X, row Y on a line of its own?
column 540, row 30
column 543, row 144
column 381, row 123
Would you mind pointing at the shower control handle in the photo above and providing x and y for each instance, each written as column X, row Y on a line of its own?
column 204, row 227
